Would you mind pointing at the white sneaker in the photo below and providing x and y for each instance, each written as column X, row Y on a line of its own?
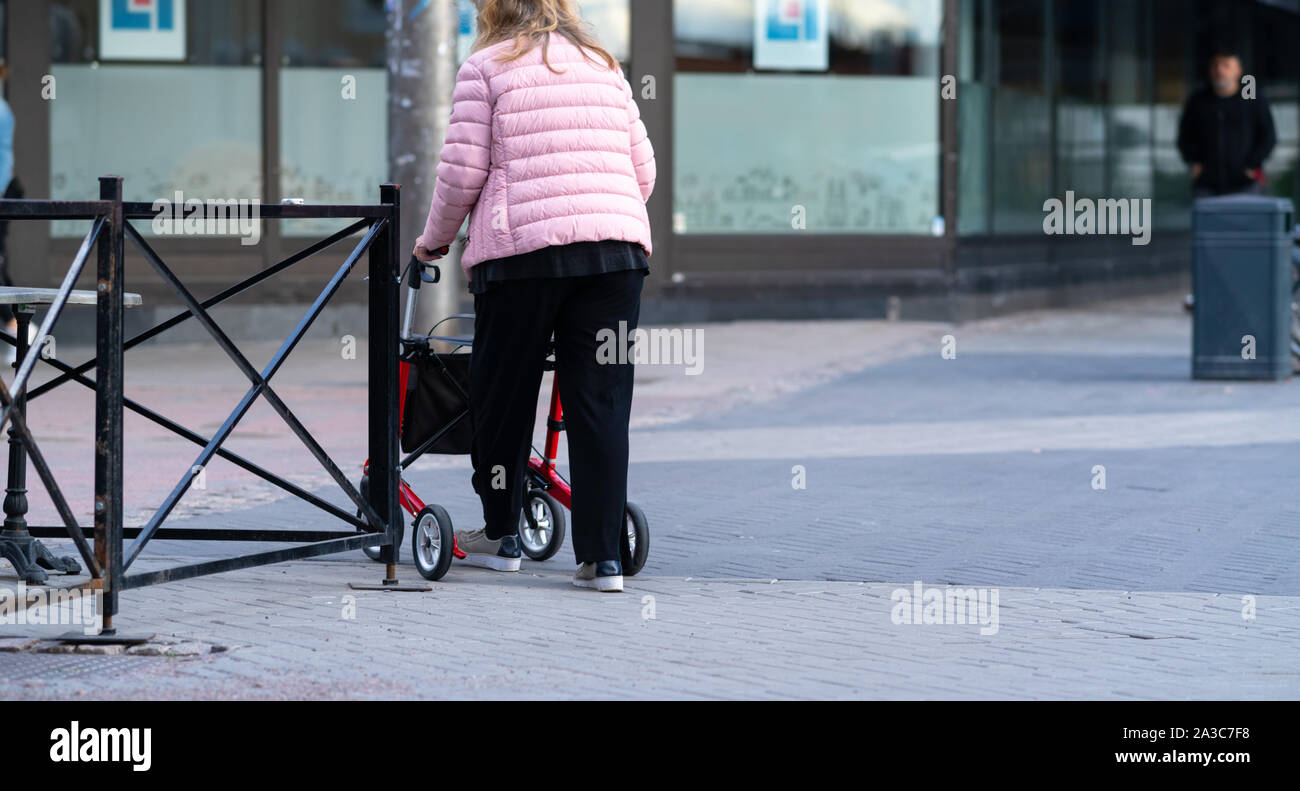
column 500, row 554
column 605, row 576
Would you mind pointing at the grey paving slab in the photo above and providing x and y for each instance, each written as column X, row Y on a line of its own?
column 532, row 635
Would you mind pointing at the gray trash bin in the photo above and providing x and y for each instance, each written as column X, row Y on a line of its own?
column 1241, row 276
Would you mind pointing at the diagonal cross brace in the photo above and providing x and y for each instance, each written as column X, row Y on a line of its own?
column 200, row 440
column 216, row 299
column 260, row 383
column 52, row 315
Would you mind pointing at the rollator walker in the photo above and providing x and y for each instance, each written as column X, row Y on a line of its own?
column 434, row 390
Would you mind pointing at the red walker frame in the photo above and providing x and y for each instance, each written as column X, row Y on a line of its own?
column 543, row 469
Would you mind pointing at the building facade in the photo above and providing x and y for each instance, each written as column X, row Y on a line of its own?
column 816, row 157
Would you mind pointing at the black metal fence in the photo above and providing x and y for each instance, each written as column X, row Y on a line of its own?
column 377, row 520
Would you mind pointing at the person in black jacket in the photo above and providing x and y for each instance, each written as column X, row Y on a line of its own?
column 1226, row 132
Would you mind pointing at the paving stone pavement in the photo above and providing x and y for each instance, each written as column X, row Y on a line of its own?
column 976, row 472
column 532, row 636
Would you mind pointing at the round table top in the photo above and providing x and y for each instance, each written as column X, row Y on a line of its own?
column 19, row 295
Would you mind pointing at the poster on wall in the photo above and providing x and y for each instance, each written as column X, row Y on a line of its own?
column 791, row 35
column 142, row 29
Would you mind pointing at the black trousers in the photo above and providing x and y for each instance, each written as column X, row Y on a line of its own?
column 514, row 322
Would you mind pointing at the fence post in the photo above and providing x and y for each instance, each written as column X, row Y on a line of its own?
column 108, row 400
column 384, row 348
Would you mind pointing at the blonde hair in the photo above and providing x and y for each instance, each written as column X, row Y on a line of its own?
column 529, row 23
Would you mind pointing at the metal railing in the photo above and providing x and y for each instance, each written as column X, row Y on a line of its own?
column 377, row 521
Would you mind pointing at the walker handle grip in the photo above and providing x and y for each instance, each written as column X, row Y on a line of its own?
column 423, row 267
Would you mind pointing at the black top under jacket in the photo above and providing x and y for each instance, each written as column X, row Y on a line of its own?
column 569, row 260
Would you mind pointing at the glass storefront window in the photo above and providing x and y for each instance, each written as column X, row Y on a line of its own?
column 333, row 78
column 974, row 105
column 1022, row 120
column 192, row 125
column 610, row 20
column 1080, row 100
column 850, row 148
column 333, row 105
column 1172, row 66
column 1130, row 130
column 1120, row 75
column 1278, row 71
column 332, row 33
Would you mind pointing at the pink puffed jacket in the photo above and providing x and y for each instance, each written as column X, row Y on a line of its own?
column 539, row 159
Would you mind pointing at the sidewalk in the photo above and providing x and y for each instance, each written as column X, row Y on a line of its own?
column 977, row 472
column 198, row 386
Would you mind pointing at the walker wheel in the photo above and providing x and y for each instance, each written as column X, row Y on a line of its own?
column 541, row 525
column 634, row 541
column 432, row 540
column 374, row 553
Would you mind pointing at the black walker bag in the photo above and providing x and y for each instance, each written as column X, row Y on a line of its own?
column 437, row 393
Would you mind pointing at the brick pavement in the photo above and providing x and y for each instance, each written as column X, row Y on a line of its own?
column 480, row 636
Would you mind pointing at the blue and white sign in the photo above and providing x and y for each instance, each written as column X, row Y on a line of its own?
column 142, row 29
column 467, row 30
column 791, row 35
